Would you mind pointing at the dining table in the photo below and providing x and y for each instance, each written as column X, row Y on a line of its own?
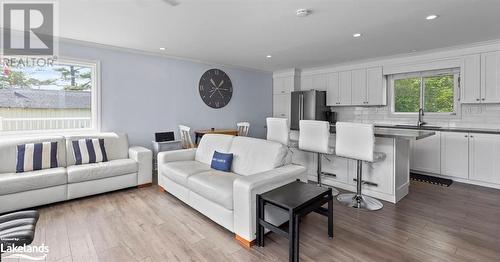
column 199, row 133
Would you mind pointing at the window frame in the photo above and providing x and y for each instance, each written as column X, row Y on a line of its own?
column 422, row 74
column 95, row 104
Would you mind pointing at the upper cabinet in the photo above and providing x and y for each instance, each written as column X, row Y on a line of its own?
column 338, row 91
column 481, row 78
column 359, row 87
column 490, row 77
column 283, row 85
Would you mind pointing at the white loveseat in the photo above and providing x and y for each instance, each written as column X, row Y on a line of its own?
column 126, row 167
column 228, row 198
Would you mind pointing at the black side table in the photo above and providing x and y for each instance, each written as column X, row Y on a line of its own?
column 299, row 199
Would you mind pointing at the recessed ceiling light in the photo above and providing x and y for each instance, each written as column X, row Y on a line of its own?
column 356, row 35
column 303, row 12
column 431, row 17
column 162, row 48
column 269, row 56
column 413, row 50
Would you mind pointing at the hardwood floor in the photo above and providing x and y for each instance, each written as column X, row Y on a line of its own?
column 459, row 223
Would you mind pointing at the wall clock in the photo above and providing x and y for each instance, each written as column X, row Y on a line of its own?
column 215, row 88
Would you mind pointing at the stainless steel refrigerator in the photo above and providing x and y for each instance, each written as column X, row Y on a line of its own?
column 307, row 105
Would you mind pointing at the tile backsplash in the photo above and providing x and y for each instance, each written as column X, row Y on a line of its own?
column 472, row 115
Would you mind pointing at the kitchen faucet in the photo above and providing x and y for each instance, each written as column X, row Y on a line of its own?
column 421, row 117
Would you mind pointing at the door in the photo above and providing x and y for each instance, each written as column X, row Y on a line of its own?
column 426, row 154
column 333, row 91
column 295, row 109
column 455, row 154
column 308, row 105
column 281, row 105
column 345, row 87
column 490, row 78
column 359, row 87
column 484, row 158
column 376, row 92
column 470, row 84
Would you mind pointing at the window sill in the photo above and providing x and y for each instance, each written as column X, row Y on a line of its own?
column 60, row 132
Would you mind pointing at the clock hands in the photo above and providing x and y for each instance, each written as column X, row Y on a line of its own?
column 217, row 88
column 221, row 82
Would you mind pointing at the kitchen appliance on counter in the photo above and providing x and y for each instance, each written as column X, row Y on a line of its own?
column 308, row 105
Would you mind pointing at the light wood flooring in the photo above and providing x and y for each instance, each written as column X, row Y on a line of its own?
column 459, row 223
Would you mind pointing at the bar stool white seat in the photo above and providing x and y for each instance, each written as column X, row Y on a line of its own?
column 314, row 137
column 278, row 130
column 357, row 141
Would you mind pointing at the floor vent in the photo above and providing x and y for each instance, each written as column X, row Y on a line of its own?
column 431, row 179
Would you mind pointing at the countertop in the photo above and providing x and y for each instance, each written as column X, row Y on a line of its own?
column 438, row 128
column 400, row 133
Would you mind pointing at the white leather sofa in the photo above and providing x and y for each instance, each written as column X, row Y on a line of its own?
column 228, row 198
column 126, row 167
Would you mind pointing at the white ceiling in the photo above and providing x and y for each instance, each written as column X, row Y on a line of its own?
column 243, row 32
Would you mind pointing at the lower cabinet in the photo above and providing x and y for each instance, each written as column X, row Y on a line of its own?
column 454, row 154
column 468, row 156
column 281, row 105
column 426, row 154
column 484, row 158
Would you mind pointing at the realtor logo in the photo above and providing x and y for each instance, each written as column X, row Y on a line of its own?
column 28, row 29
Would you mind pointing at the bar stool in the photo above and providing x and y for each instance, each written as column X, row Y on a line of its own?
column 314, row 137
column 278, row 130
column 357, row 141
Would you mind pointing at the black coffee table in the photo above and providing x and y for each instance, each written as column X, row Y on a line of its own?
column 298, row 199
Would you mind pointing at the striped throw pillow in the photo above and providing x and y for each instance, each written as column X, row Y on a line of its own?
column 89, row 151
column 36, row 156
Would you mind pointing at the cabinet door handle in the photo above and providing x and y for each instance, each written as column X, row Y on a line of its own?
column 483, row 99
column 477, row 99
column 364, row 182
column 472, row 136
column 466, row 136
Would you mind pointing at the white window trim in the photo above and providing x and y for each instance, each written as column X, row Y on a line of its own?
column 96, row 102
column 435, row 115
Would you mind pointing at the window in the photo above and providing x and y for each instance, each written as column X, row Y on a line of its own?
column 434, row 91
column 59, row 97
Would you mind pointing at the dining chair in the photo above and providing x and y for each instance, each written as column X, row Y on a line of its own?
column 278, row 130
column 243, row 128
column 186, row 141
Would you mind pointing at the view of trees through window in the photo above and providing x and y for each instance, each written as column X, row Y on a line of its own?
column 432, row 93
column 51, row 97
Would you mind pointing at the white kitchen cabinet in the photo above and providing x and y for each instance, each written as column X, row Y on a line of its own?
column 333, row 90
column 306, row 82
column 490, row 77
column 426, row 154
column 375, row 88
column 470, row 83
column 359, row 95
column 484, row 158
column 283, row 85
column 319, row 82
column 345, row 88
column 281, row 105
column 455, row 154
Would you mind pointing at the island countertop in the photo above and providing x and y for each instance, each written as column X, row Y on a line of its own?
column 410, row 134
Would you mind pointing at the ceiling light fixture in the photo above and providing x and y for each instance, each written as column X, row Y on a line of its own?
column 431, row 17
column 269, row 56
column 162, row 48
column 303, row 12
column 356, row 35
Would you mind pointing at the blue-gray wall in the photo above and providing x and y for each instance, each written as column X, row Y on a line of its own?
column 143, row 94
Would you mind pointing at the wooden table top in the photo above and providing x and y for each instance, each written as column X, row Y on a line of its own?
column 233, row 132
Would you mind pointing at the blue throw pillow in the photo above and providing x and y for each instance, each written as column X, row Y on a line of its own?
column 221, row 161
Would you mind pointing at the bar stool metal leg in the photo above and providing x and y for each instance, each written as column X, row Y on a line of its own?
column 358, row 200
column 320, row 173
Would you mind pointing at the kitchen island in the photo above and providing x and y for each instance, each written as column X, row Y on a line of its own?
column 387, row 180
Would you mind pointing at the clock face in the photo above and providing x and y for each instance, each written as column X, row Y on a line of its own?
column 215, row 88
